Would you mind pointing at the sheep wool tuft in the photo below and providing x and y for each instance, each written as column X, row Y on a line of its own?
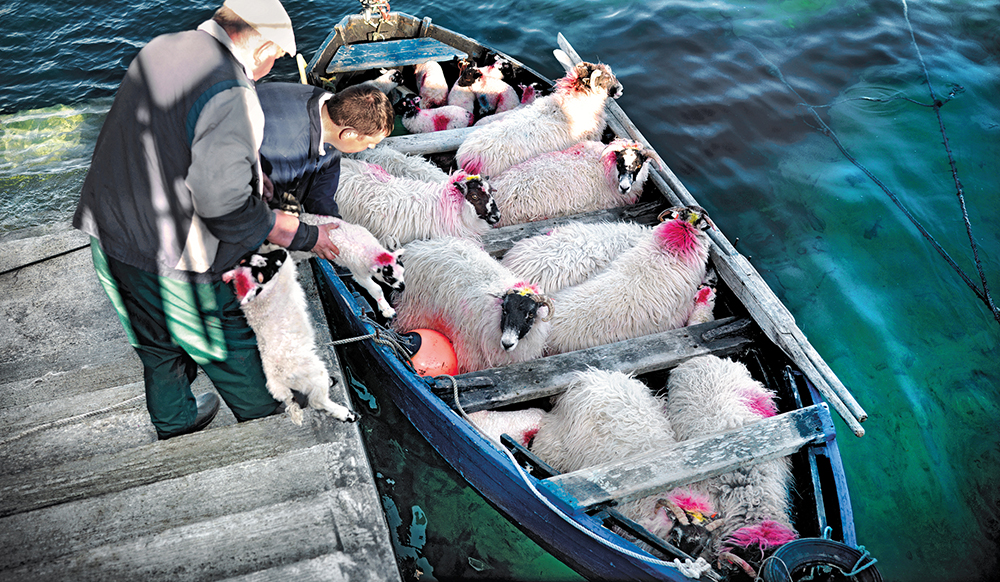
column 401, row 165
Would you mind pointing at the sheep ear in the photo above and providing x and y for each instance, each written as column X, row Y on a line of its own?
column 593, row 78
column 399, row 253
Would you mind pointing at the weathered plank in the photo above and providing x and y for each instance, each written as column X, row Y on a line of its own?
column 499, row 240
column 433, row 142
column 390, row 54
column 694, row 460
column 548, row 376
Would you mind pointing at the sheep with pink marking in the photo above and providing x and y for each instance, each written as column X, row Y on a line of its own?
column 709, row 395
column 417, row 120
column 401, row 165
column 492, row 317
column 586, row 176
column 399, row 210
column 573, row 113
column 647, row 289
column 431, row 84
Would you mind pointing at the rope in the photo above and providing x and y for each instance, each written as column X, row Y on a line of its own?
column 43, row 259
column 63, row 421
column 984, row 293
column 688, row 568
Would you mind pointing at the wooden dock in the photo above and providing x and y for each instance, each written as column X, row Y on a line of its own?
column 99, row 498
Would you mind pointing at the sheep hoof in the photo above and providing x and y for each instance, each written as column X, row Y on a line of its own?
column 294, row 412
column 352, row 417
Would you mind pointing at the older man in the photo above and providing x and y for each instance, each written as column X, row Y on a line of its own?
column 173, row 199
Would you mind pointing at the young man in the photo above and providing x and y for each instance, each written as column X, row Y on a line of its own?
column 173, row 199
column 306, row 129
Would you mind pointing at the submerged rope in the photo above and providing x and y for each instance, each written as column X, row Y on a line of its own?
column 984, row 293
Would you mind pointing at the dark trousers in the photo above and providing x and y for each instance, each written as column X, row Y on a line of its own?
column 176, row 327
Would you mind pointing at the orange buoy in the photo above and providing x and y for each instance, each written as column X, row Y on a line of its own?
column 434, row 354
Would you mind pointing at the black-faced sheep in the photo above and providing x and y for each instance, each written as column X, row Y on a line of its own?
column 275, row 307
column 417, row 120
column 368, row 261
column 647, row 289
column 570, row 254
column 573, row 113
column 399, row 210
column 388, row 80
column 401, row 165
column 608, row 416
column 709, row 395
column 583, row 177
column 491, row 317
column 431, row 84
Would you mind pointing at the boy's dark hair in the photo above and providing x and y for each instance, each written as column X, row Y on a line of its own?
column 364, row 108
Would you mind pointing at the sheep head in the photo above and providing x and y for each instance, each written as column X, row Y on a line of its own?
column 693, row 215
column 478, row 192
column 626, row 159
column 591, row 78
column 519, row 310
column 408, row 106
column 388, row 269
column 252, row 275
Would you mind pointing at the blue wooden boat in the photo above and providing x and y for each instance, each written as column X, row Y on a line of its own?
column 573, row 515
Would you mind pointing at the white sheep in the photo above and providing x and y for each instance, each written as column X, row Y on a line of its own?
column 401, row 165
column 607, row 416
column 570, row 254
column 431, row 84
column 366, row 258
column 417, row 120
column 399, row 210
column 708, row 395
column 573, row 113
column 521, row 425
column 581, row 178
column 647, row 289
column 529, row 93
column 275, row 307
column 491, row 317
column 388, row 80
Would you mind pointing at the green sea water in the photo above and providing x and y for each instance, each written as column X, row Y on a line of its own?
column 746, row 101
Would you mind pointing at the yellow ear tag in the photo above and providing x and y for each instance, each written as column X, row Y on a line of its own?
column 525, row 291
column 472, row 177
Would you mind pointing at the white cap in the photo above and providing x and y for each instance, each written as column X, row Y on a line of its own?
column 268, row 17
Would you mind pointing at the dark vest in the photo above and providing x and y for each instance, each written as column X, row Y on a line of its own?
column 290, row 150
column 134, row 199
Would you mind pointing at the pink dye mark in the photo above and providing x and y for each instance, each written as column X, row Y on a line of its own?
column 242, row 280
column 527, row 285
column 383, row 259
column 441, row 121
column 766, row 535
column 378, row 173
column 473, row 165
column 678, row 237
column 704, row 294
column 528, row 435
column 693, row 503
column 759, row 403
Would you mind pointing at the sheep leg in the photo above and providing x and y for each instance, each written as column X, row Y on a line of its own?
column 282, row 393
column 317, row 389
column 375, row 291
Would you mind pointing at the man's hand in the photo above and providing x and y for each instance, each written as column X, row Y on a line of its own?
column 324, row 247
column 267, row 188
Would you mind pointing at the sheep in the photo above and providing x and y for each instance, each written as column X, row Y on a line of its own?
column 275, row 307
column 528, row 95
column 573, row 113
column 521, row 425
column 704, row 300
column 368, row 261
column 399, row 210
column 583, row 177
column 605, row 416
column 401, row 165
column 570, row 254
column 461, row 93
column 431, row 84
column 417, row 120
column 388, row 80
column 647, row 289
column 709, row 395
column 491, row 317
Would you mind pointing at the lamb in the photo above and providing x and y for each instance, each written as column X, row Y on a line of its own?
column 368, row 261
column 570, row 254
column 431, row 84
column 491, row 317
column 583, row 177
column 529, row 93
column 647, row 289
column 605, row 416
column 401, row 165
column 387, row 81
column 708, row 395
column 521, row 425
column 400, row 210
column 417, row 120
column 573, row 113
column 275, row 307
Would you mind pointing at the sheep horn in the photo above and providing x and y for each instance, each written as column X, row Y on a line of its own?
column 675, row 509
column 734, row 559
column 547, row 302
column 714, row 525
column 593, row 78
column 667, row 212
